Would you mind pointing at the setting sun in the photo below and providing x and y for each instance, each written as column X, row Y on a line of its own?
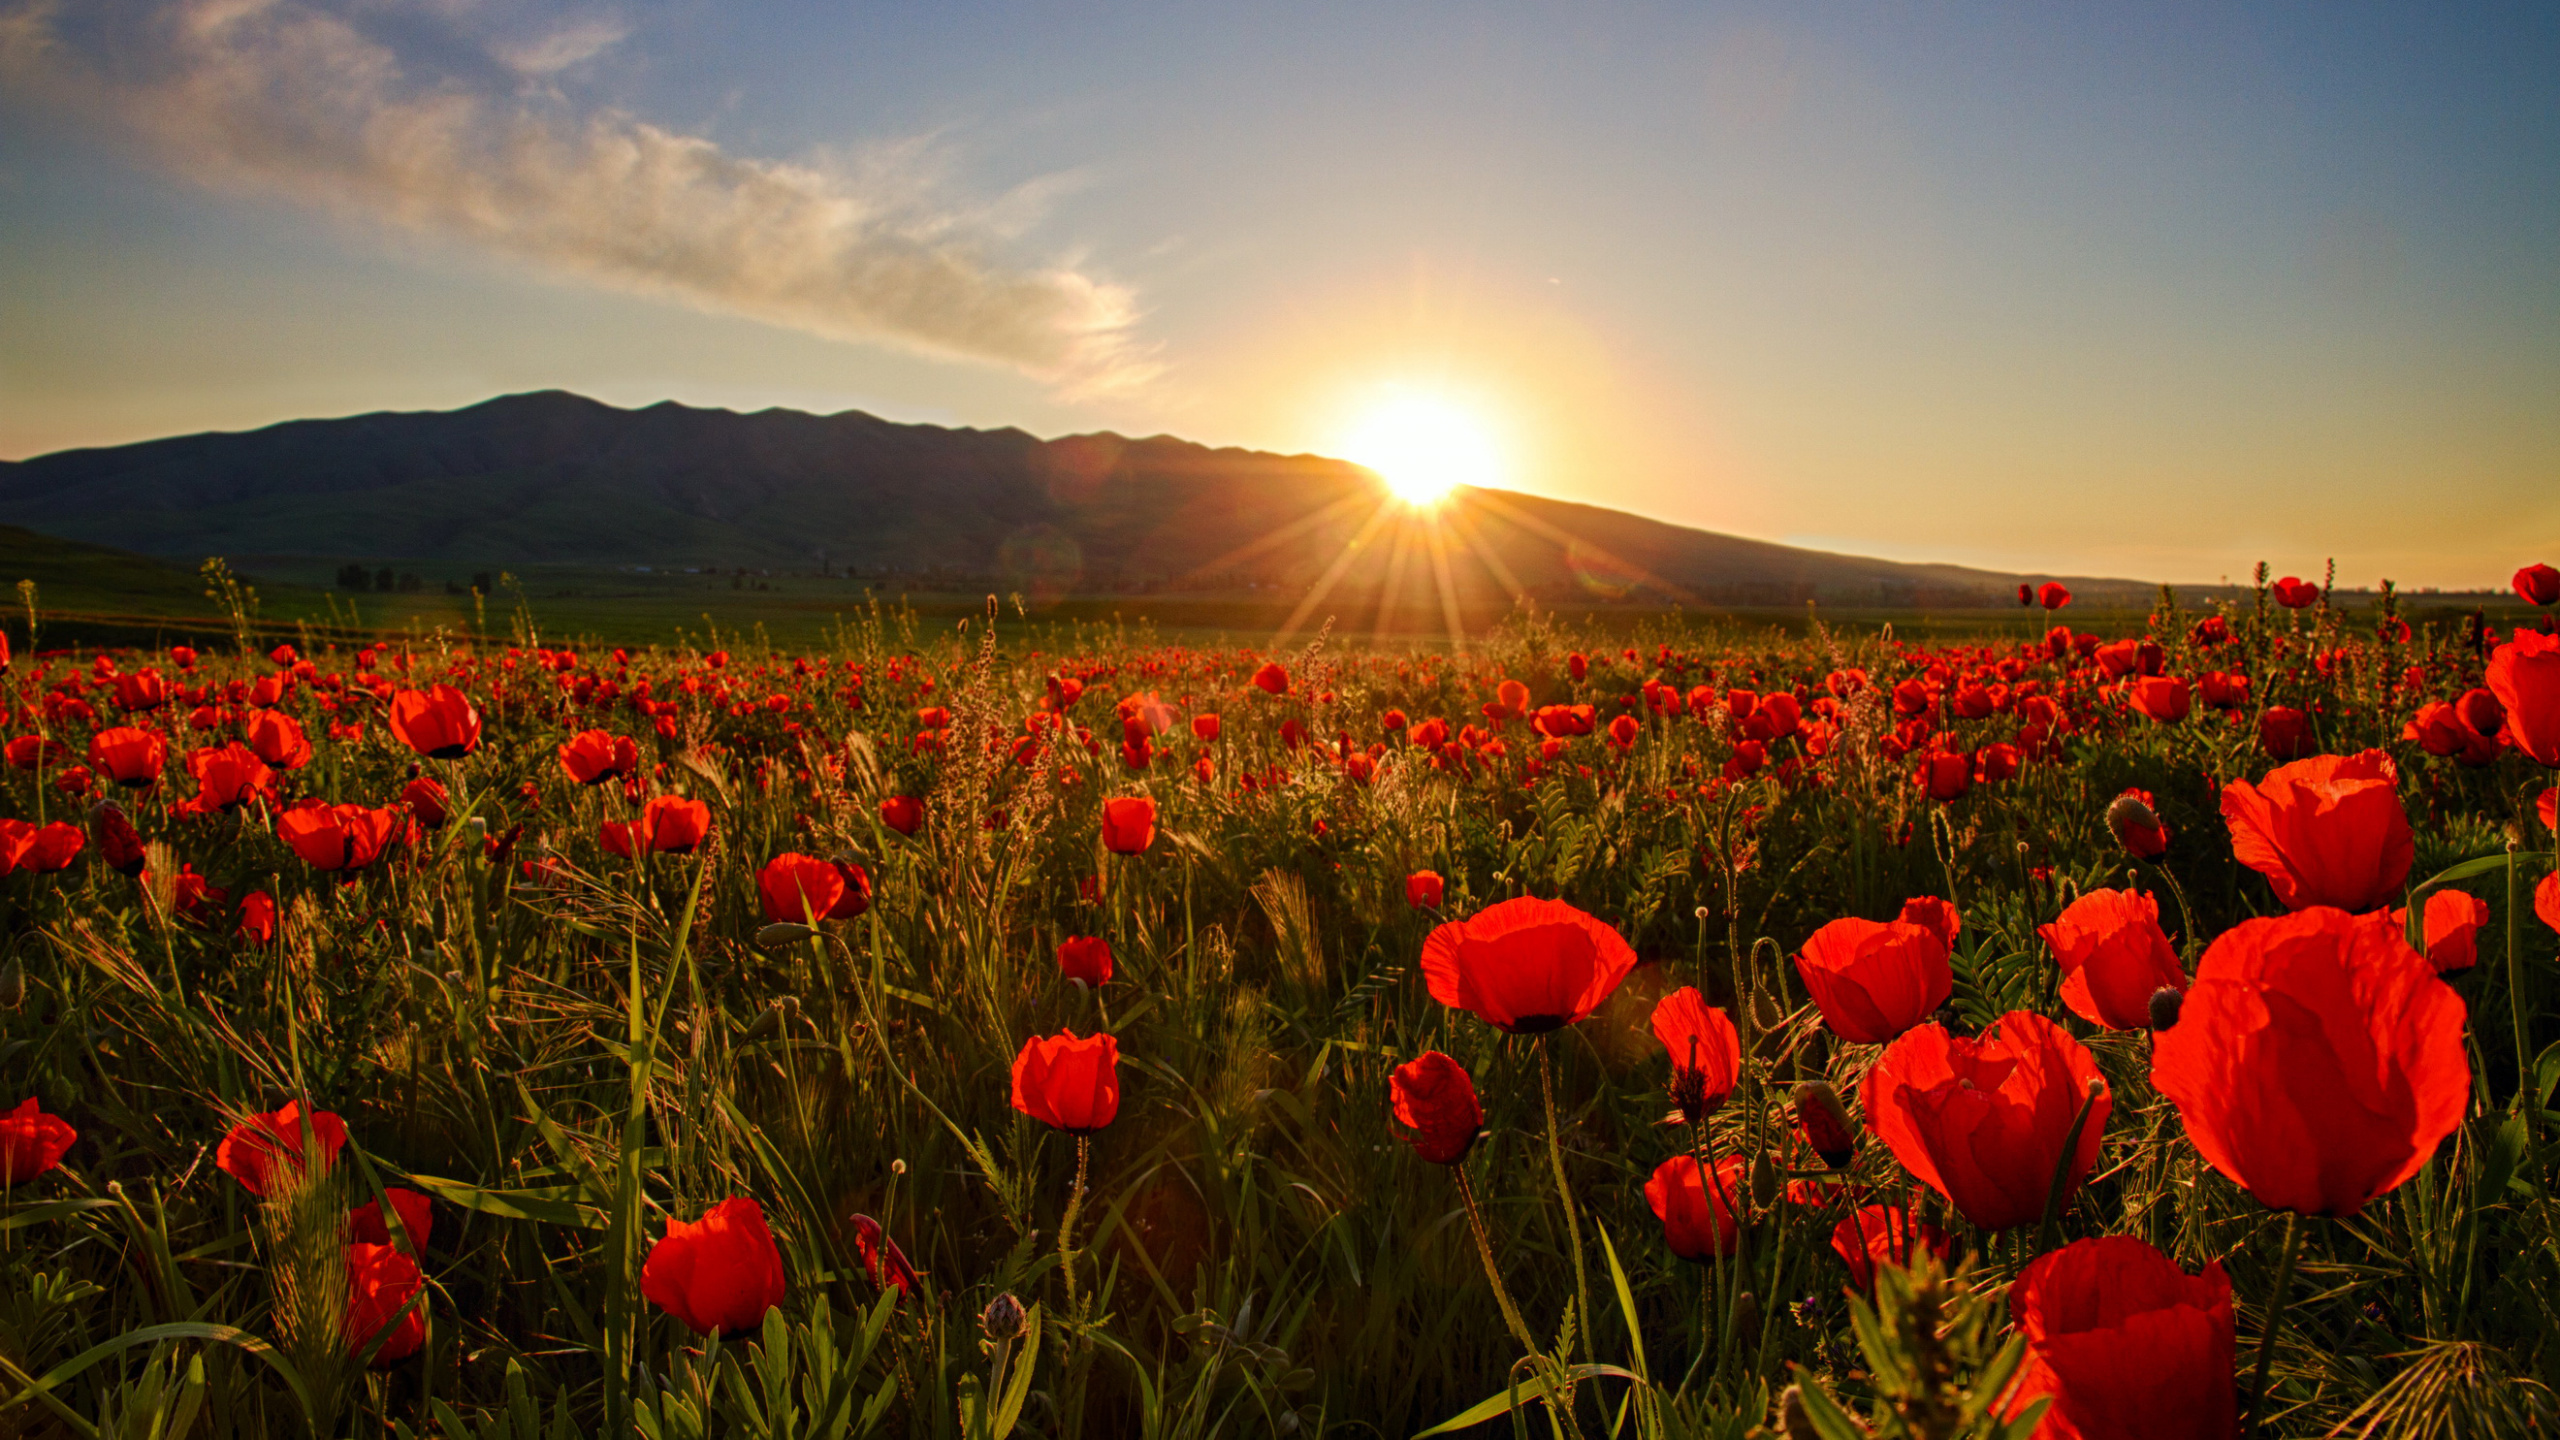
column 1423, row 447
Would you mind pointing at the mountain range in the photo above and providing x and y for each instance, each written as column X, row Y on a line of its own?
column 555, row 478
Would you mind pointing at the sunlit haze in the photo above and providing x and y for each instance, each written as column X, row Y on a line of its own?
column 1423, row 446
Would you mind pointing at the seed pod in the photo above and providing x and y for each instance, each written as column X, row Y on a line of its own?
column 1826, row 1122
column 2165, row 1004
column 783, row 933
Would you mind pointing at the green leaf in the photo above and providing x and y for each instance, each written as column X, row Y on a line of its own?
column 1018, row 1387
column 2463, row 871
column 549, row 1205
column 1508, row 1400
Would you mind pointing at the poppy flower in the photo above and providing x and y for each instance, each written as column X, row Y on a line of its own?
column 2317, row 1060
column 592, row 757
column 1205, row 728
column 1706, row 1052
column 258, row 1146
column 1698, row 1208
column 2129, row 1346
column 2539, row 585
column 795, row 887
column 1824, row 1122
column 277, row 738
column 2524, row 674
column 1086, row 958
column 2329, row 830
column 2284, row 733
column 2546, row 900
column 882, row 1260
column 140, row 691
column 47, row 849
column 1271, row 679
column 1938, row 917
column 1983, row 1120
column 2452, row 922
column 230, row 776
column 426, row 799
column 380, row 1284
column 2026, row 593
column 1423, row 890
column 257, row 918
column 1069, row 1083
column 1128, row 825
column 2053, row 595
column 337, row 837
column 1873, row 981
column 128, row 756
column 2293, row 593
column 721, row 1272
column 902, row 813
column 32, row 1142
column 119, row 844
column 438, row 723
column 1435, row 1099
column 2137, row 826
column 1873, row 1235
column 1526, row 965
column 668, row 825
column 2164, row 698
column 365, row 1225
column 2113, row 955
column 33, row 752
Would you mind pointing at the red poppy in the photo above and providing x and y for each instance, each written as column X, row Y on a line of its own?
column 2113, row 955
column 1526, row 965
column 1069, row 1083
column 1086, row 958
column 365, row 1225
column 33, row 752
column 119, row 844
column 47, row 849
column 2524, row 674
column 1128, row 825
column 2026, row 593
column 277, row 738
column 2324, row 831
column 1705, row 1050
column 232, row 775
column 2137, row 826
column 2284, row 733
column 1874, row 981
column 127, row 755
column 438, row 723
column 257, row 918
column 258, row 1145
column 2053, row 595
column 902, row 813
column 143, row 690
column 2317, row 1060
column 721, row 1272
column 380, row 1284
column 2293, row 593
column 2546, row 900
column 32, row 1142
column 1436, row 1099
column 1983, row 1121
column 592, row 757
column 1885, row 1234
column 2129, row 1346
column 1206, row 728
column 1423, row 890
column 2452, row 923
column 426, row 798
column 337, row 837
column 2539, row 585
column 668, row 825
column 1938, row 917
column 1824, row 1122
column 1271, row 679
column 882, row 1260
column 1698, row 1208
column 1946, row 775
column 796, row 887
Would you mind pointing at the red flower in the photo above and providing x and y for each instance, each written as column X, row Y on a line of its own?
column 2052, row 595
column 426, row 798
column 1623, row 732
column 796, row 887
column 1873, row 981
column 1086, row 958
column 257, row 918
column 1885, row 1234
column 2129, row 1346
column 380, row 1283
column 2324, row 831
column 32, row 752
column 2285, row 733
column 1706, row 1052
column 668, row 825
column 1526, row 965
column 2546, row 900
column 1271, row 679
column 1946, row 775
column 257, row 1146
column 2162, row 697
column 1423, row 890
column 886, row 1264
column 1128, row 825
column 119, row 844
column 1069, row 1083
column 2113, row 954
column 128, row 756
column 2317, row 1060
column 438, row 723
column 721, row 1272
column 277, row 738
column 1436, row 1100
column 2539, row 585
column 1984, row 1121
column 1934, row 915
column 2293, row 593
column 2452, row 920
column 32, row 1142
column 902, row 813
column 145, row 690
column 46, row 850
column 365, row 1225
column 2137, row 826
column 2524, row 674
column 1698, row 1209
column 232, row 775
column 337, row 837
column 592, row 757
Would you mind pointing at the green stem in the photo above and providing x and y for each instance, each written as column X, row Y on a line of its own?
column 2276, row 1304
column 1492, row 1272
column 1067, row 1226
column 1572, row 1217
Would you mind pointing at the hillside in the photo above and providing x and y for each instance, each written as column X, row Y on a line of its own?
column 554, row 478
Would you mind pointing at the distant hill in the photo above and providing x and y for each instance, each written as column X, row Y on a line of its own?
column 552, row 477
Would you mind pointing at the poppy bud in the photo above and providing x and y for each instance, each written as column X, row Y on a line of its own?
column 783, row 933
column 2164, row 1006
column 2137, row 826
column 1002, row 1320
column 1793, row 1417
column 1826, row 1122
column 1765, row 1180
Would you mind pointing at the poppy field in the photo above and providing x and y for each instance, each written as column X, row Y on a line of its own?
column 1001, row 1031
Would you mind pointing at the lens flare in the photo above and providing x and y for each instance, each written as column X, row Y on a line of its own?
column 1423, row 447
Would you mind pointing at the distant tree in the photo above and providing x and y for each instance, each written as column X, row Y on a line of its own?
column 453, row 587
column 480, row 582
column 410, row 584
column 382, row 580
column 354, row 577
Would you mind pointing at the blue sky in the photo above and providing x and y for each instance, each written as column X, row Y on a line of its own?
column 2149, row 291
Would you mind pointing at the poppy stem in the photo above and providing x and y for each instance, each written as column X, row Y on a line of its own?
column 1067, row 1225
column 1492, row 1272
column 1572, row 1219
column 2276, row 1301
column 2525, row 1083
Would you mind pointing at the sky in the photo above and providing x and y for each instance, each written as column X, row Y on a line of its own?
column 2153, row 291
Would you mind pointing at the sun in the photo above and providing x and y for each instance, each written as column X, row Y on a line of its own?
column 1423, row 446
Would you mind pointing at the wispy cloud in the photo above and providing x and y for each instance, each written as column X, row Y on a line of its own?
column 293, row 98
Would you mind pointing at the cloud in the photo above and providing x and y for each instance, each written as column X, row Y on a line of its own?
column 287, row 97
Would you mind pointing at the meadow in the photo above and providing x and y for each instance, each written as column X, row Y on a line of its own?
column 959, row 1028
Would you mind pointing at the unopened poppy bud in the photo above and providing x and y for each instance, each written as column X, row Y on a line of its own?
column 13, row 985
column 1826, row 1122
column 783, row 933
column 2164, row 1006
column 1746, row 1315
column 1765, row 1180
column 2137, row 826
column 1765, row 1014
column 1794, row 1418
column 1003, row 1318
